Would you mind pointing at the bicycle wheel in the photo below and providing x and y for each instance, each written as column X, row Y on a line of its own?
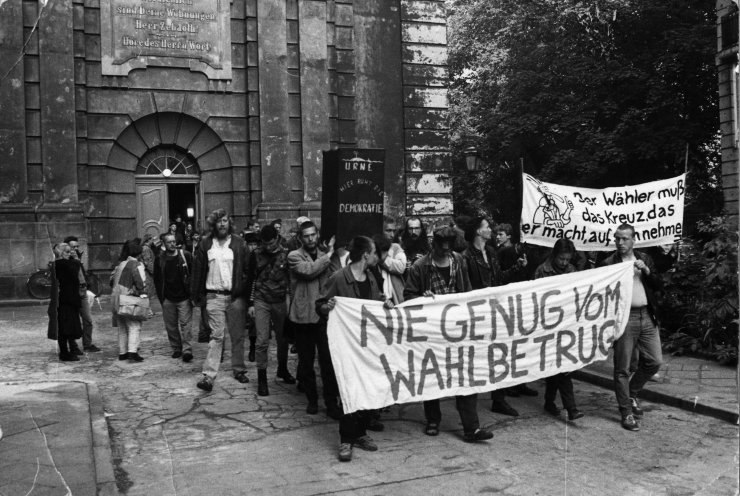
column 93, row 283
column 39, row 285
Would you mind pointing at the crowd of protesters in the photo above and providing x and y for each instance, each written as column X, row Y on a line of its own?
column 256, row 284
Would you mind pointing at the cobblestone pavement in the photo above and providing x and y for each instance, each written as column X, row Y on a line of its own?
column 170, row 438
column 694, row 384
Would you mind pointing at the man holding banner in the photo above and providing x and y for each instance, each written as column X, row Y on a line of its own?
column 444, row 272
column 354, row 281
column 641, row 331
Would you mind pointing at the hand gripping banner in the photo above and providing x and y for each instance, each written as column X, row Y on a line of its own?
column 589, row 217
column 474, row 342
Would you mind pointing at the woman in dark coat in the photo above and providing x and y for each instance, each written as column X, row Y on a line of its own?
column 559, row 263
column 64, row 307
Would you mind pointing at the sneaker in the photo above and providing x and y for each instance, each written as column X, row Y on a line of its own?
column 574, row 414
column 286, row 377
column 636, row 410
column 312, row 408
column 365, row 443
column 92, row 348
column 629, row 423
column 206, row 384
column 504, row 408
column 345, row 452
column 375, row 425
column 187, row 356
column 477, row 435
column 242, row 377
column 135, row 357
column 552, row 408
column 176, row 354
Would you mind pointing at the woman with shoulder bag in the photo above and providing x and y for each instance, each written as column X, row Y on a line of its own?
column 129, row 278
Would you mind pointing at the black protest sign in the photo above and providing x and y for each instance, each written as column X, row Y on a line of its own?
column 352, row 193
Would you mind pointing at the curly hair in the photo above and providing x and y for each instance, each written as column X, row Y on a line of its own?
column 215, row 217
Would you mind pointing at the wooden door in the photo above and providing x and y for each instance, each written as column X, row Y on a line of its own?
column 151, row 208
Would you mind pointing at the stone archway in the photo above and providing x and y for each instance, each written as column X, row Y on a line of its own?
column 202, row 157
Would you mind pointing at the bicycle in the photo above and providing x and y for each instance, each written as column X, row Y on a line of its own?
column 39, row 284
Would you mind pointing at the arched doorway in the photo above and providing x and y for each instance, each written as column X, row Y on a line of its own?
column 168, row 185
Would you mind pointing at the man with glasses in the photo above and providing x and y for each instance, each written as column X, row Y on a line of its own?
column 414, row 241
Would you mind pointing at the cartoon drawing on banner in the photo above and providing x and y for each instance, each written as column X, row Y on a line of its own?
column 553, row 210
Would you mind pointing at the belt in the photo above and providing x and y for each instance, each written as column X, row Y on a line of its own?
column 218, row 292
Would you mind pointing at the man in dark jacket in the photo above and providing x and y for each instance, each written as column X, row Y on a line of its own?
column 171, row 274
column 444, row 272
column 219, row 278
column 484, row 272
column 269, row 280
column 641, row 331
column 354, row 281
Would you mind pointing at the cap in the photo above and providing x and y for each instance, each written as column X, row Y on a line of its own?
column 268, row 233
column 251, row 237
column 300, row 220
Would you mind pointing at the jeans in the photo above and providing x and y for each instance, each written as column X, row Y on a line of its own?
column 467, row 407
column 128, row 335
column 87, row 323
column 224, row 312
column 177, row 316
column 264, row 314
column 642, row 334
column 308, row 339
column 564, row 384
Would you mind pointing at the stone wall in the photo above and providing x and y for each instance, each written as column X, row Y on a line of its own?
column 307, row 76
column 729, row 84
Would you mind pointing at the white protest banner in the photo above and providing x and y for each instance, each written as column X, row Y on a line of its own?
column 590, row 217
column 473, row 342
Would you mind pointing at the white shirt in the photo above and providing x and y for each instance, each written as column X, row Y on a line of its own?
column 639, row 297
column 220, row 266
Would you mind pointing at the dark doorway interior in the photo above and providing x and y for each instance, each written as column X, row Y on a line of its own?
column 182, row 200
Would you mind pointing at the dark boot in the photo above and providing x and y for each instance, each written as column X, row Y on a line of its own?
column 252, row 340
column 262, row 389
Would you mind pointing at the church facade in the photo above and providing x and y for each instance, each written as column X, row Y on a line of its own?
column 120, row 114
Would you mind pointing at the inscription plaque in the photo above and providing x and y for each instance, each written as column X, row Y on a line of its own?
column 171, row 33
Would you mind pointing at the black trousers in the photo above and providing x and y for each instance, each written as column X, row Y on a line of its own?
column 564, row 384
column 467, row 407
column 353, row 425
column 310, row 338
column 67, row 345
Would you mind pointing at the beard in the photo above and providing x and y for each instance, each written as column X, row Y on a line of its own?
column 414, row 244
column 221, row 232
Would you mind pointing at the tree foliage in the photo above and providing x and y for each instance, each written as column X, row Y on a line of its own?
column 594, row 94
